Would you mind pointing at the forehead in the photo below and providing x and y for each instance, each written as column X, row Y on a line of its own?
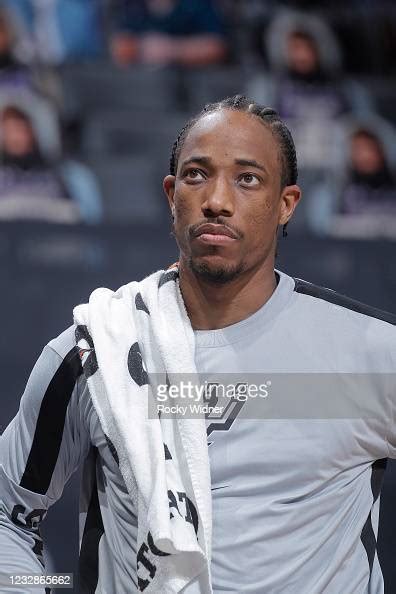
column 226, row 135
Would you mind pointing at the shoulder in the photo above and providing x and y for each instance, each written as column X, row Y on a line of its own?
column 331, row 300
column 53, row 383
column 349, row 328
column 64, row 354
column 64, row 342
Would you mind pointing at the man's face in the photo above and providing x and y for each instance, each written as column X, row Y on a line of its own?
column 228, row 177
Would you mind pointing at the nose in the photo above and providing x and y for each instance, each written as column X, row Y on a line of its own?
column 219, row 199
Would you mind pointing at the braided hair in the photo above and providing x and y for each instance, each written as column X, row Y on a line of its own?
column 267, row 115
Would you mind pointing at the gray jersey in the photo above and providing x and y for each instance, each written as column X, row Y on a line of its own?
column 295, row 502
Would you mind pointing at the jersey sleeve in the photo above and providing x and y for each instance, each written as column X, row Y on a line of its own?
column 39, row 450
column 391, row 411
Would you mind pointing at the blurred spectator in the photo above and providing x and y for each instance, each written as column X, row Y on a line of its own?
column 188, row 32
column 61, row 30
column 17, row 72
column 308, row 88
column 362, row 200
column 370, row 186
column 34, row 89
column 43, row 115
column 34, row 188
column 13, row 72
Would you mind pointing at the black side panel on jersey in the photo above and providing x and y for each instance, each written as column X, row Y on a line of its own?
column 367, row 536
column 50, row 423
column 331, row 296
column 88, row 566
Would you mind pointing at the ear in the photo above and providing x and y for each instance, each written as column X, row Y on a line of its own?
column 289, row 199
column 169, row 189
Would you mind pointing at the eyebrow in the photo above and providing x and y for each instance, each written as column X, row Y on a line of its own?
column 207, row 161
column 197, row 159
column 250, row 163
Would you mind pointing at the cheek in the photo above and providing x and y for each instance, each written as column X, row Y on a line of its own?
column 182, row 206
column 186, row 214
column 187, row 207
column 263, row 213
column 261, row 224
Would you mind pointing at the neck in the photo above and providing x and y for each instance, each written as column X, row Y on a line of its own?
column 211, row 306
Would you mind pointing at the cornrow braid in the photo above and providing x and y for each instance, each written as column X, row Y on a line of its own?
column 267, row 115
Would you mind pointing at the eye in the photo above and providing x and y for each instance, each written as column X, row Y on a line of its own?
column 194, row 174
column 249, row 179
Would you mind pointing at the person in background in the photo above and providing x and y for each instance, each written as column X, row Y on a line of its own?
column 307, row 86
column 187, row 32
column 32, row 87
column 13, row 72
column 61, row 30
column 361, row 200
column 371, row 184
column 19, row 73
column 34, row 188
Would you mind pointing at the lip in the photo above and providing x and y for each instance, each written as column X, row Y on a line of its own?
column 214, row 239
column 216, row 233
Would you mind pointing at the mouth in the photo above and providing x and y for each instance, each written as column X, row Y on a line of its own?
column 215, row 234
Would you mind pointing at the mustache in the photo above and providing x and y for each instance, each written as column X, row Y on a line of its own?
column 192, row 229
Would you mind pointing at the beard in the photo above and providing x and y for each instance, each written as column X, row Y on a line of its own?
column 219, row 275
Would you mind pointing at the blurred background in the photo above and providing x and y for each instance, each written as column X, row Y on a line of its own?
column 93, row 94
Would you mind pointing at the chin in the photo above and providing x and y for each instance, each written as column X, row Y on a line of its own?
column 219, row 273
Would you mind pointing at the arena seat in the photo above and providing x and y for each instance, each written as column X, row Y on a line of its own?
column 133, row 133
column 384, row 93
column 132, row 189
column 205, row 85
column 99, row 86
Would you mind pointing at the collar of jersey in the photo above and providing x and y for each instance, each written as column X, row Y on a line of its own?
column 253, row 324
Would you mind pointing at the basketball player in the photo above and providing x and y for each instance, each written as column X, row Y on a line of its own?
column 295, row 501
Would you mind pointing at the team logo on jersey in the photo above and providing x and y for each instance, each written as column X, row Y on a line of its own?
column 229, row 412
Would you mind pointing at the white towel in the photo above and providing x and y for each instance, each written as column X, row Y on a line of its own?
column 125, row 336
